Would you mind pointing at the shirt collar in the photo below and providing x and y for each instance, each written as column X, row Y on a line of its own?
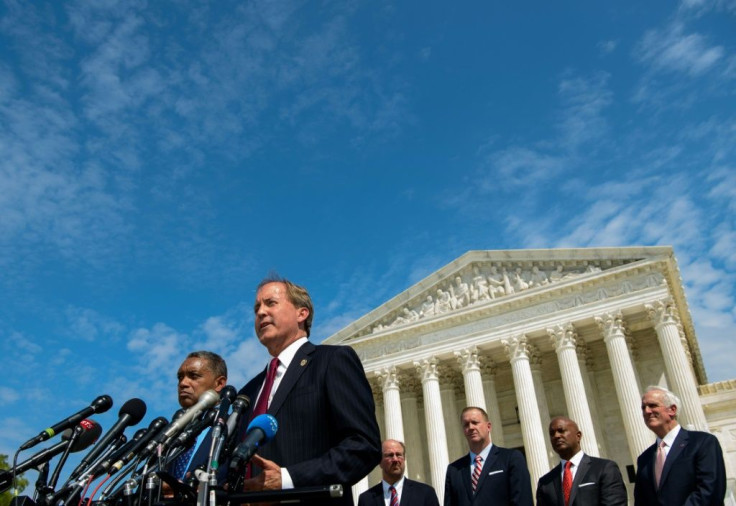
column 669, row 438
column 399, row 485
column 287, row 355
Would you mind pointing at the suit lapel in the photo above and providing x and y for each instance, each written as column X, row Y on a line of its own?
column 557, row 482
column 465, row 477
column 406, row 497
column 678, row 445
column 293, row 373
column 579, row 476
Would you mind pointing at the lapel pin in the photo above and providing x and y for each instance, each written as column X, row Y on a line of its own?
column 303, row 362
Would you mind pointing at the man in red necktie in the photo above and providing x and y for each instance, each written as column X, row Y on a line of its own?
column 319, row 395
column 579, row 479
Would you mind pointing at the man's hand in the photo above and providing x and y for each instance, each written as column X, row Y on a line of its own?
column 269, row 479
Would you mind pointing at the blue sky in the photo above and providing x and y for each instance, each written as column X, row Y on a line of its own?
column 160, row 158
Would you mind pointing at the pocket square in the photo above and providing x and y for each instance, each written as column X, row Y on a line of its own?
column 495, row 472
column 586, row 484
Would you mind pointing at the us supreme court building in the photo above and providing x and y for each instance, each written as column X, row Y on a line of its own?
column 530, row 335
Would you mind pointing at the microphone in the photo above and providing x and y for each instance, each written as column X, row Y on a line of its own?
column 130, row 414
column 103, row 466
column 88, row 432
column 193, row 429
column 99, row 405
column 240, row 404
column 208, row 399
column 153, row 430
column 260, row 431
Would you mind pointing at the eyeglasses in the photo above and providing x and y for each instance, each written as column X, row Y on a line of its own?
column 393, row 456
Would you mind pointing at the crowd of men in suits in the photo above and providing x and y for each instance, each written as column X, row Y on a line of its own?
column 329, row 435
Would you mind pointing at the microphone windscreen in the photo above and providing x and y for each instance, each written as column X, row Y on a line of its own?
column 267, row 424
column 135, row 408
column 228, row 394
column 91, row 431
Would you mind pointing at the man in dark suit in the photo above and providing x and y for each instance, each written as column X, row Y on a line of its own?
column 200, row 371
column 683, row 466
column 319, row 395
column 406, row 491
column 592, row 481
column 489, row 475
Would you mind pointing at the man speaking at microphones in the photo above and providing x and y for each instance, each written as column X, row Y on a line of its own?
column 201, row 371
column 327, row 429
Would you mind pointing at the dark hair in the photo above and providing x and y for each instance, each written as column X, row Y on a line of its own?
column 215, row 362
column 297, row 295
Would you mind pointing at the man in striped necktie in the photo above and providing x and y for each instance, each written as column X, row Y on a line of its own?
column 489, row 475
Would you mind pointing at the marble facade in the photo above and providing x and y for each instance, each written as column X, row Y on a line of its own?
column 529, row 335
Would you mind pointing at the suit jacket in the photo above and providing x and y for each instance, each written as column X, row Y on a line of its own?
column 597, row 482
column 414, row 493
column 504, row 480
column 327, row 432
column 693, row 474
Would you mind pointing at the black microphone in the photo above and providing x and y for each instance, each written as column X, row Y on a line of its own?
column 154, row 429
column 227, row 396
column 240, row 404
column 131, row 413
column 99, row 405
column 105, row 464
column 190, row 433
column 88, row 432
column 260, row 431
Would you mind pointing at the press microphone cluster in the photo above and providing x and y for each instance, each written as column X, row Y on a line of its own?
column 260, row 431
column 77, row 439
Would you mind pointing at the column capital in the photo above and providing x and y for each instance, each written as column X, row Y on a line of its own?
column 563, row 336
column 488, row 367
column 427, row 369
column 389, row 377
column 611, row 324
column 468, row 359
column 662, row 312
column 517, row 348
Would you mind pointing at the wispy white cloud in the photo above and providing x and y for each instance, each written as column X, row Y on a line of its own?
column 672, row 49
column 607, row 46
column 89, row 325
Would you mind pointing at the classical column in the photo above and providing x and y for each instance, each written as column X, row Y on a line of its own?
column 389, row 378
column 436, row 436
column 449, row 388
column 517, row 349
column 470, row 364
column 494, row 411
column 535, row 363
column 359, row 488
column 624, row 379
column 564, row 338
column 586, row 364
column 415, row 433
column 679, row 370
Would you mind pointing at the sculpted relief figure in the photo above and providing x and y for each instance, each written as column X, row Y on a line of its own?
column 459, row 294
column 538, row 278
column 556, row 274
column 427, row 308
column 495, row 280
column 479, row 288
column 519, row 282
column 443, row 304
column 410, row 315
column 506, row 283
